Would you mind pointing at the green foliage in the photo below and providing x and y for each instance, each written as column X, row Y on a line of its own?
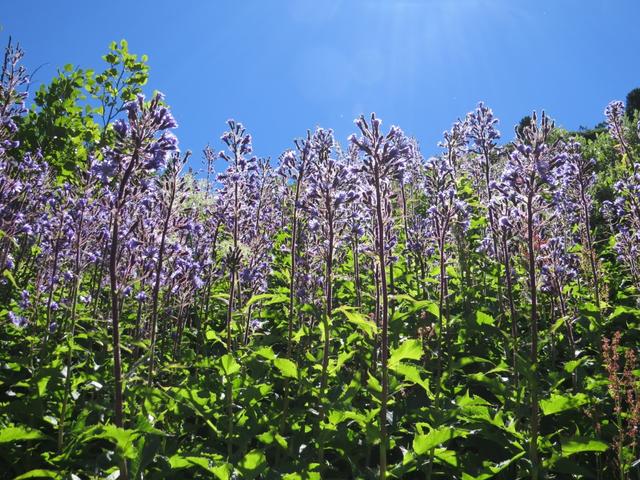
column 71, row 116
column 633, row 102
column 458, row 396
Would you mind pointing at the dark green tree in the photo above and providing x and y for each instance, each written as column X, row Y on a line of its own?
column 524, row 122
column 633, row 102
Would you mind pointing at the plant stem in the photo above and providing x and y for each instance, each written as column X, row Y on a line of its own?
column 534, row 422
column 156, row 286
column 384, row 321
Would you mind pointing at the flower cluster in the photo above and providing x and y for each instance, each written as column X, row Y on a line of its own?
column 13, row 78
column 624, row 217
column 614, row 114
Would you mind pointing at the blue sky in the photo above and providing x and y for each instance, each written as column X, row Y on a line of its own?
column 283, row 66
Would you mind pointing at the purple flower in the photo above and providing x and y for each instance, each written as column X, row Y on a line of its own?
column 17, row 320
column 614, row 113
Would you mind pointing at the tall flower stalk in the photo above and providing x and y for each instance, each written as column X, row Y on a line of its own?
column 445, row 210
column 169, row 190
column 237, row 183
column 577, row 178
column 143, row 144
column 528, row 176
column 384, row 157
column 483, row 135
column 294, row 168
column 614, row 113
column 329, row 193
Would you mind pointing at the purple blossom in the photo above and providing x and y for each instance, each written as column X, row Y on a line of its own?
column 17, row 320
column 614, row 114
column 623, row 215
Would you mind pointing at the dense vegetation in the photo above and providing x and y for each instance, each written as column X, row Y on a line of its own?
column 356, row 312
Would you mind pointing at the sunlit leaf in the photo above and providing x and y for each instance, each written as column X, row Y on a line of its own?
column 286, row 367
column 559, row 403
column 582, row 444
column 424, row 443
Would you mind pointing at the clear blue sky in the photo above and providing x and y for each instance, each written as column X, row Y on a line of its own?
column 282, row 66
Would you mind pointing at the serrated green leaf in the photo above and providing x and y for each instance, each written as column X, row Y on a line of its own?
column 424, row 443
column 39, row 473
column 359, row 320
column 265, row 352
column 252, row 461
column 557, row 403
column 229, row 364
column 582, row 444
column 484, row 318
column 287, row 367
column 409, row 350
column 20, row 434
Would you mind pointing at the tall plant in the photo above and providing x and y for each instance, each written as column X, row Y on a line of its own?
column 528, row 177
column 143, row 143
column 384, row 158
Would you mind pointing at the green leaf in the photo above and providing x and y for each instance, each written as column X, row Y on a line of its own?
column 252, row 463
column 410, row 349
column 213, row 335
column 424, row 443
column 178, row 462
column 491, row 470
column 19, row 434
column 229, row 364
column 39, row 473
column 412, row 374
column 450, row 457
column 374, row 384
column 9, row 276
column 359, row 320
column 560, row 403
column 582, row 444
column 266, row 437
column 571, row 365
column 122, row 438
column 305, row 476
column 265, row 352
column 419, row 305
column 223, row 472
column 269, row 299
column 287, row 367
column 558, row 323
column 484, row 318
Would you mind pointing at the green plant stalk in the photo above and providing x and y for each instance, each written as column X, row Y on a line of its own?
column 326, row 321
column 232, row 292
column 441, row 337
column 590, row 248
column 384, row 341
column 535, row 420
column 229, row 389
column 74, row 303
column 512, row 309
column 356, row 272
column 115, row 310
column 376, row 338
column 405, row 225
column 292, row 282
column 492, row 222
column 54, row 271
column 156, row 285
column 115, row 317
